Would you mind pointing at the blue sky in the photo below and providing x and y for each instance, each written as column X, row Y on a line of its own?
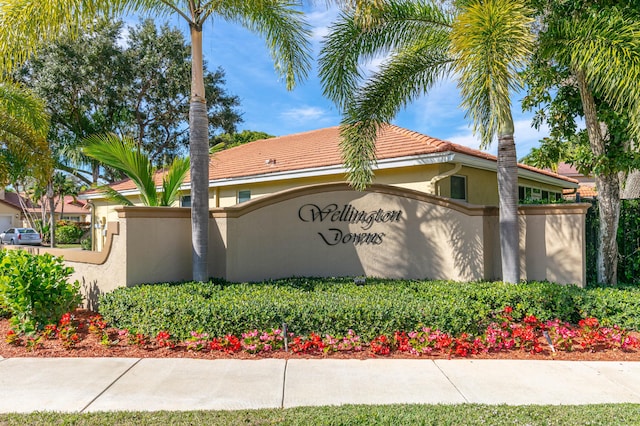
column 267, row 106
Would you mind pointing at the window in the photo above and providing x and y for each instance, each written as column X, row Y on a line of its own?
column 185, row 201
column 526, row 193
column 244, row 196
column 458, row 187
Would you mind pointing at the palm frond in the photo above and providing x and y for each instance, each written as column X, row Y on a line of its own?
column 123, row 155
column 283, row 28
column 172, row 180
column 491, row 41
column 606, row 48
column 28, row 24
column 113, row 195
column 396, row 24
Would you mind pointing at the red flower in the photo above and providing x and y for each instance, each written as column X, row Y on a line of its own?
column 507, row 309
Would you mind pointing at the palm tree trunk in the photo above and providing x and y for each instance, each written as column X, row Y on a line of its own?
column 608, row 187
column 508, row 196
column 199, row 150
column 52, row 208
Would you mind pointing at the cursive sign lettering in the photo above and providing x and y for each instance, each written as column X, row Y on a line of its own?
column 335, row 236
column 349, row 214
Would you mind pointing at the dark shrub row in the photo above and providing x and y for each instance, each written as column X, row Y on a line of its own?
column 337, row 305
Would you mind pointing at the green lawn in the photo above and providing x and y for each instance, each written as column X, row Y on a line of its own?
column 66, row 246
column 466, row 414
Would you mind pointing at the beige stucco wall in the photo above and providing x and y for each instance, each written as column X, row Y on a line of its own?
column 553, row 245
column 418, row 236
column 11, row 213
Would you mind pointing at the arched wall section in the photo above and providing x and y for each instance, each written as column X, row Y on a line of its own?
column 331, row 230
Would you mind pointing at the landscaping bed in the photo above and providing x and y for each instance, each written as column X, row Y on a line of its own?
column 90, row 330
column 307, row 317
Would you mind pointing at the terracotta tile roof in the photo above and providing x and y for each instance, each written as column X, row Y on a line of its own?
column 71, row 205
column 13, row 199
column 321, row 148
column 585, row 191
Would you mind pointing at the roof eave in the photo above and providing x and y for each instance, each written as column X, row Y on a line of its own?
column 486, row 164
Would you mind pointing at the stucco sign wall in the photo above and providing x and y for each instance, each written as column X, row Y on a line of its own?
column 332, row 230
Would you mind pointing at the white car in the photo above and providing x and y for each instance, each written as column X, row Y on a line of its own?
column 21, row 236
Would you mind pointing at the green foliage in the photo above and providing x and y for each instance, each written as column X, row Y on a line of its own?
column 612, row 306
column 35, row 290
column 68, row 233
column 85, row 243
column 628, row 242
column 123, row 154
column 231, row 140
column 333, row 306
column 23, row 128
column 126, row 80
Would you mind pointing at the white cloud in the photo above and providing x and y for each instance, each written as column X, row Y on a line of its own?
column 320, row 19
column 306, row 115
column 526, row 137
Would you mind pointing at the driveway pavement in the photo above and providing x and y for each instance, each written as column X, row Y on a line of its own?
column 148, row 384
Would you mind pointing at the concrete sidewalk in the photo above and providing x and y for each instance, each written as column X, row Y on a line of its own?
column 108, row 384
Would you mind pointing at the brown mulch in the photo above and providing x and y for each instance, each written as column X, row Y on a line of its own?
column 90, row 346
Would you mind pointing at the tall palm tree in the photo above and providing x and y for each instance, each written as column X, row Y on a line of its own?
column 600, row 47
column 482, row 44
column 25, row 23
column 124, row 155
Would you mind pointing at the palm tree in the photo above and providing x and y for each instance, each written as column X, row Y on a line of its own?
column 25, row 23
column 482, row 45
column 24, row 124
column 124, row 155
column 600, row 47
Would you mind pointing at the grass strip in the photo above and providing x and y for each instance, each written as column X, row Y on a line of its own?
column 464, row 414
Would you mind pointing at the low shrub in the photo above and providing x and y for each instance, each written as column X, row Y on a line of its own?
column 69, row 233
column 35, row 290
column 614, row 305
column 85, row 243
column 322, row 306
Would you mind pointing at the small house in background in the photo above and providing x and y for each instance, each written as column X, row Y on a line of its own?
column 12, row 214
column 586, row 190
column 10, row 210
column 70, row 208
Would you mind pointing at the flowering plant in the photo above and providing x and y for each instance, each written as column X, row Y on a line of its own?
column 164, row 340
column 198, row 341
column 228, row 344
column 260, row 342
column 503, row 333
column 68, row 331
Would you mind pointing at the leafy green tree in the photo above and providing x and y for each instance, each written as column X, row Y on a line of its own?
column 125, row 155
column 26, row 24
column 482, row 44
column 590, row 53
column 158, row 100
column 230, row 140
column 146, row 95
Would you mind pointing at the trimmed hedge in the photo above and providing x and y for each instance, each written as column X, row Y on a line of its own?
column 337, row 305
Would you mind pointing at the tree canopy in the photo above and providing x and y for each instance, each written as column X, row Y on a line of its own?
column 131, row 83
